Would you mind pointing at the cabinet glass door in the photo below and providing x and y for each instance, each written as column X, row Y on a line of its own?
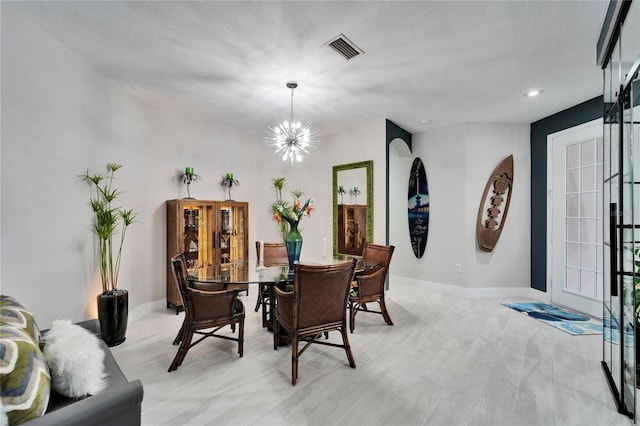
column 231, row 231
column 198, row 234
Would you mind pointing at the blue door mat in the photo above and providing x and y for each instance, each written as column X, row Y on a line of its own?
column 568, row 321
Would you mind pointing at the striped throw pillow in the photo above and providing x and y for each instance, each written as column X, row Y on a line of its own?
column 24, row 376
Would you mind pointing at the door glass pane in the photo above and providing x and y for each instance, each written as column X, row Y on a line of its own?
column 588, row 153
column 583, row 196
column 588, row 231
column 573, row 254
column 572, row 280
column 608, row 320
column 573, row 181
column 573, row 230
column 572, row 205
column 626, row 250
column 587, row 205
column 588, row 282
column 587, row 257
column 573, row 156
column 587, row 180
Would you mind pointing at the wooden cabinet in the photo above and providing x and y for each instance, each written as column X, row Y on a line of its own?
column 209, row 233
column 352, row 228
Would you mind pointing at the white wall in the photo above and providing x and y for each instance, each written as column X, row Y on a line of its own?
column 509, row 265
column 362, row 143
column 60, row 117
column 458, row 161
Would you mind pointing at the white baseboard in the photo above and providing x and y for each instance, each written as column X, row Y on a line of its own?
column 485, row 292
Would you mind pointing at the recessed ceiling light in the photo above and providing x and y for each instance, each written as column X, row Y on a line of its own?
column 424, row 122
column 533, row 93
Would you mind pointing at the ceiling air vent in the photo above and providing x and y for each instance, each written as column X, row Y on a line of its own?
column 344, row 47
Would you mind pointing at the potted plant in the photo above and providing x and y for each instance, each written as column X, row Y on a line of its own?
column 288, row 217
column 110, row 223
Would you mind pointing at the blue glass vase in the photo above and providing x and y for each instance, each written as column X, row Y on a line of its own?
column 293, row 241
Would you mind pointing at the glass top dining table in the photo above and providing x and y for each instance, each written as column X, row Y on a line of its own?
column 250, row 271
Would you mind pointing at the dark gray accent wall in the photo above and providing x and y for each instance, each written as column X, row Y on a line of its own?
column 579, row 114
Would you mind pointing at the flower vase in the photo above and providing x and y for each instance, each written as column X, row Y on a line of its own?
column 293, row 241
column 113, row 313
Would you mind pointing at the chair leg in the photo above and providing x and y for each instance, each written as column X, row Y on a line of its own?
column 264, row 310
column 178, row 338
column 182, row 351
column 385, row 313
column 294, row 360
column 241, row 338
column 347, row 347
column 276, row 335
column 352, row 316
column 258, row 300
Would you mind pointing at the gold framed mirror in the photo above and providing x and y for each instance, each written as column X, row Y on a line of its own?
column 352, row 207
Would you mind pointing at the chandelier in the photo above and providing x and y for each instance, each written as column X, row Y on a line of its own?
column 291, row 139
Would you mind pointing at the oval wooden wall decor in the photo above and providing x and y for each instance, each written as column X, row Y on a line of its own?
column 418, row 208
column 494, row 205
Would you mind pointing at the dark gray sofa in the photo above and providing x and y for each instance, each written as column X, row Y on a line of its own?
column 119, row 404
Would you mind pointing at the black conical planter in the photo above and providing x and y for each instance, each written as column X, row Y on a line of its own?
column 113, row 312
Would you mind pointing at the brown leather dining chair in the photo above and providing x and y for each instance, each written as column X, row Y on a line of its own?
column 207, row 309
column 369, row 286
column 317, row 305
column 275, row 254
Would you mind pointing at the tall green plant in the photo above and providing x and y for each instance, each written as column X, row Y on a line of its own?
column 110, row 220
column 278, row 184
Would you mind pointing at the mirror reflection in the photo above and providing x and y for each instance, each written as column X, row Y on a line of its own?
column 352, row 207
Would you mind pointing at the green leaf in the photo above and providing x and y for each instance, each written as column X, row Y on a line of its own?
column 109, row 220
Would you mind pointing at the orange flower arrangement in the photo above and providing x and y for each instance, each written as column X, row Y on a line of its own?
column 288, row 216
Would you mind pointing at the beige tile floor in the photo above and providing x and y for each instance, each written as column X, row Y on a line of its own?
column 446, row 361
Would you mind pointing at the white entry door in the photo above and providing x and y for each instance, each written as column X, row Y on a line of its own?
column 574, row 218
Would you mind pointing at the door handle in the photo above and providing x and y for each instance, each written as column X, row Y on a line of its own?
column 613, row 249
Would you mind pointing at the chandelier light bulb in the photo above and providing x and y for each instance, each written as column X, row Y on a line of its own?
column 291, row 139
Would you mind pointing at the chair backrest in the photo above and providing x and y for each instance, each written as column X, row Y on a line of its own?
column 179, row 268
column 274, row 253
column 321, row 293
column 377, row 254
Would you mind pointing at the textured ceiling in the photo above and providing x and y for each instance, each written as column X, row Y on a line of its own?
column 446, row 62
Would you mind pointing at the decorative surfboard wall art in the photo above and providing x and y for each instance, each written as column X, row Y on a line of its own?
column 494, row 205
column 418, row 211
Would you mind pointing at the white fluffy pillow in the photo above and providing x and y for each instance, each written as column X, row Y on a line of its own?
column 75, row 360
